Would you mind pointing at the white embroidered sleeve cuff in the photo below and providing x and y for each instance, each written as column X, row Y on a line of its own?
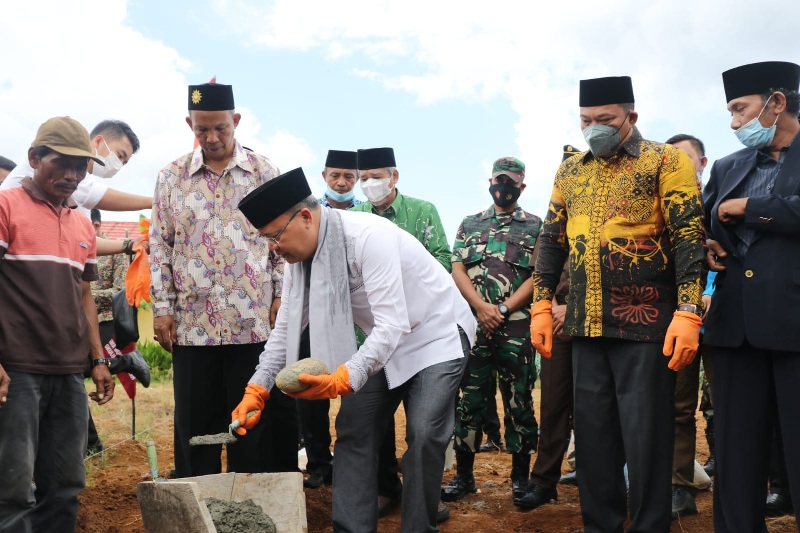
column 357, row 375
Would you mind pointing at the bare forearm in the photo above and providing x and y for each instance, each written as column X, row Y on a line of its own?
column 90, row 310
column 465, row 285
column 109, row 246
column 114, row 200
column 521, row 297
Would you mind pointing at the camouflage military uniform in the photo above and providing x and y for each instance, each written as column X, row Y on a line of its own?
column 497, row 252
column 112, row 270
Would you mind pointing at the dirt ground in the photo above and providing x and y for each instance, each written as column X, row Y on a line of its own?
column 109, row 505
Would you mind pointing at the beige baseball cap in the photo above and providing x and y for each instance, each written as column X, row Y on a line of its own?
column 66, row 136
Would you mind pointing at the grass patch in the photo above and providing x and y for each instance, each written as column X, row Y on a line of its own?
column 154, row 413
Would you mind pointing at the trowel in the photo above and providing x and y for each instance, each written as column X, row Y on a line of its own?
column 219, row 438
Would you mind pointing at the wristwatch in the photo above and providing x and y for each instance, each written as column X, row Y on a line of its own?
column 101, row 361
column 692, row 308
column 504, row 310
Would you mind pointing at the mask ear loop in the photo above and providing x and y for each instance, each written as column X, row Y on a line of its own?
column 628, row 114
column 765, row 107
column 623, row 121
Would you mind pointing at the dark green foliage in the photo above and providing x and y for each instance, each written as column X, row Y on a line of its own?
column 158, row 359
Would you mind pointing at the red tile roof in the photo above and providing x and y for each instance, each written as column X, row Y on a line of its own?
column 120, row 230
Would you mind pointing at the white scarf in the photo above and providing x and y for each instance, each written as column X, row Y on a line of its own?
column 330, row 317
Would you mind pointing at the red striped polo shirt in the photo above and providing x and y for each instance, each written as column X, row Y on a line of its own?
column 45, row 256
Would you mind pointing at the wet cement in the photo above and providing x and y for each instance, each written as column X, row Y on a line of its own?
column 235, row 517
column 217, row 438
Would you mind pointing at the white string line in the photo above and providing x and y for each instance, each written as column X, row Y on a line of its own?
column 147, row 430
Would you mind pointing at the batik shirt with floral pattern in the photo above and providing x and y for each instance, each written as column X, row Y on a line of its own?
column 209, row 267
column 112, row 270
column 631, row 225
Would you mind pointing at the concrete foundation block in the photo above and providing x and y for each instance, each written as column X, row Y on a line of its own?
column 167, row 506
column 175, row 507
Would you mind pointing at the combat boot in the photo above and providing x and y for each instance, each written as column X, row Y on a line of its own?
column 520, row 466
column 463, row 482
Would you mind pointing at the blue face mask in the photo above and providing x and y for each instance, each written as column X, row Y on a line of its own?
column 753, row 134
column 339, row 197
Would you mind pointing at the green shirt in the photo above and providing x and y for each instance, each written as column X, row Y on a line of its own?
column 420, row 219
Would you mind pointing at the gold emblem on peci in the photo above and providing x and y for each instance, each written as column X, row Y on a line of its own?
column 196, row 96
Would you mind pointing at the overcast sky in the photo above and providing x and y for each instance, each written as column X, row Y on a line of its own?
column 451, row 85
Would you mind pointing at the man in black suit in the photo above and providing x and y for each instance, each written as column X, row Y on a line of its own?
column 752, row 211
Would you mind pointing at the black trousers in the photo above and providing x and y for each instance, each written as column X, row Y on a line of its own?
column 209, row 382
column 556, row 414
column 778, row 476
column 315, row 424
column 751, row 386
column 315, row 428
column 624, row 411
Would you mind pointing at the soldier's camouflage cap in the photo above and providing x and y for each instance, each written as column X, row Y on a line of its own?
column 511, row 167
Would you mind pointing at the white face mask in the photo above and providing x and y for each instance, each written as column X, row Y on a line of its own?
column 112, row 164
column 376, row 190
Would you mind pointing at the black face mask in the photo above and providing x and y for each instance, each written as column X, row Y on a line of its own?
column 504, row 194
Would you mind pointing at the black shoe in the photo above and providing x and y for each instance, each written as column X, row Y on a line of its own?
column 134, row 364
column 492, row 444
column 458, row 488
column 387, row 504
column 711, row 466
column 519, row 487
column 779, row 505
column 315, row 480
column 569, row 479
column 442, row 512
column 682, row 502
column 95, row 448
column 535, row 497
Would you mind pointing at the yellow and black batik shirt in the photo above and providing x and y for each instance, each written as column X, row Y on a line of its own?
column 631, row 225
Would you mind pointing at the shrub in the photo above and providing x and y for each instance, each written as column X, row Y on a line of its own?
column 158, row 359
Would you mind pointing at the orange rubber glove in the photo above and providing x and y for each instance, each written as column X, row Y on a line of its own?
column 253, row 400
column 137, row 281
column 683, row 339
column 325, row 386
column 542, row 327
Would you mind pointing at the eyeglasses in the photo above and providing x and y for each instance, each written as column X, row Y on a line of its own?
column 275, row 241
